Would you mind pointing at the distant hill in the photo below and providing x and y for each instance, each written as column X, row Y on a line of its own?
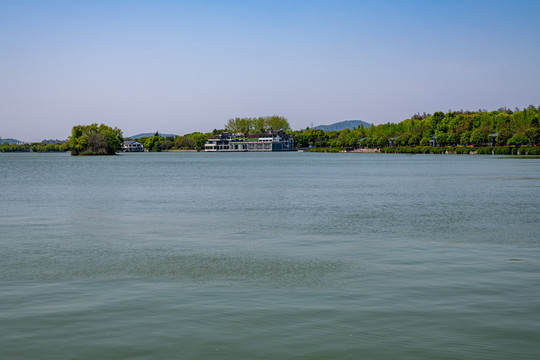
column 150, row 134
column 10, row 141
column 347, row 124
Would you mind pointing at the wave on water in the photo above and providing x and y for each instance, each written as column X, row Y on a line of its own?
column 231, row 269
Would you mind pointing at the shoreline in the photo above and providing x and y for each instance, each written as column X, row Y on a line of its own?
column 447, row 150
column 180, row 150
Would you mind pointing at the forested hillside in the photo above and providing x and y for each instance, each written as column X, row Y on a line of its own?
column 347, row 124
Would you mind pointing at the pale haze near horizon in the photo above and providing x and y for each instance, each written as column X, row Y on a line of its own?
column 185, row 66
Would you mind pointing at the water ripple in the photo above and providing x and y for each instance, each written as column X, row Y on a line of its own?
column 230, row 269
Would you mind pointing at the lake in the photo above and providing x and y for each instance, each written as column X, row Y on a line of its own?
column 269, row 255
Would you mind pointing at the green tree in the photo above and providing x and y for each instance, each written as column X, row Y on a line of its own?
column 258, row 125
column 403, row 139
column 382, row 141
column 414, row 140
column 479, row 137
column 5, row 147
column 533, row 134
column 95, row 140
column 453, row 139
column 184, row 142
column 300, row 140
column 199, row 140
column 153, row 143
column 166, row 144
column 466, row 138
column 518, row 139
column 442, row 139
column 237, row 124
column 316, row 137
column 276, row 122
column 503, row 136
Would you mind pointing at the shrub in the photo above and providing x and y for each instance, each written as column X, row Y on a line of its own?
column 463, row 150
column 502, row 150
column 529, row 150
column 484, row 150
column 325, row 149
column 437, row 150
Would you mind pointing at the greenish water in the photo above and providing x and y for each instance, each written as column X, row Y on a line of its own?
column 265, row 256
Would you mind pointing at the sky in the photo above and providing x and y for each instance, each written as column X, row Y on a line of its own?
column 184, row 66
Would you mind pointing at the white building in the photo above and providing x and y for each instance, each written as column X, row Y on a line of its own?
column 270, row 140
column 132, row 146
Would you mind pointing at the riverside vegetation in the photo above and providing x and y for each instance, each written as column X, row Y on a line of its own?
column 502, row 131
column 453, row 129
column 484, row 150
column 91, row 139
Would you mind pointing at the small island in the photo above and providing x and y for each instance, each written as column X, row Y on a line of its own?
column 95, row 140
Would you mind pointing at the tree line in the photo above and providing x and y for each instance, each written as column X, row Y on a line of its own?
column 192, row 141
column 196, row 140
column 35, row 147
column 256, row 125
column 453, row 128
column 518, row 127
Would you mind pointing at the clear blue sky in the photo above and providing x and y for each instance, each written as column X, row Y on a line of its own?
column 184, row 66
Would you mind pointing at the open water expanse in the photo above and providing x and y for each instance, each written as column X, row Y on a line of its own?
column 269, row 256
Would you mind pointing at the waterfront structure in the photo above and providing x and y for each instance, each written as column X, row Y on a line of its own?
column 492, row 139
column 392, row 141
column 270, row 140
column 55, row 141
column 132, row 146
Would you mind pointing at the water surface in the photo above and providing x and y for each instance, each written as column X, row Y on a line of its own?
column 264, row 256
